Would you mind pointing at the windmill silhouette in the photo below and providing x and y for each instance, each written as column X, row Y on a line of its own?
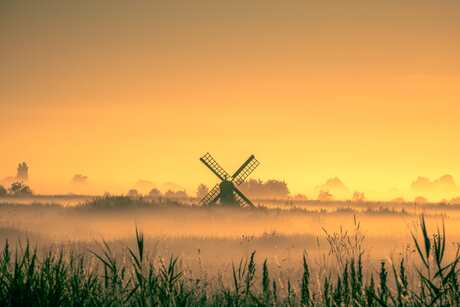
column 227, row 192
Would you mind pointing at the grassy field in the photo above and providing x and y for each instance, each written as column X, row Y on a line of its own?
column 116, row 251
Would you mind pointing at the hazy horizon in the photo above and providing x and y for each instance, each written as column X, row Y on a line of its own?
column 434, row 189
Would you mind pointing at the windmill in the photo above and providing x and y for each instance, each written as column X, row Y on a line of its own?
column 227, row 192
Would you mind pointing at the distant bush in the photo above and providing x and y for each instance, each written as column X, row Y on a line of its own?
column 114, row 202
column 325, row 196
column 3, row 191
column 20, row 189
column 134, row 193
column 109, row 202
column 455, row 200
column 300, row 197
column 420, row 200
column 269, row 189
column 358, row 197
column 176, row 194
column 398, row 200
column 154, row 193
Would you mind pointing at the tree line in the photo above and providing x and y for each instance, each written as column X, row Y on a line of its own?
column 16, row 189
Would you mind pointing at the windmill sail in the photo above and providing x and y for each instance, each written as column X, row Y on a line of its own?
column 226, row 192
column 242, row 199
column 245, row 170
column 212, row 164
column 212, row 196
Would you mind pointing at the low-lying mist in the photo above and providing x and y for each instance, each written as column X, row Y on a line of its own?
column 184, row 230
column 207, row 245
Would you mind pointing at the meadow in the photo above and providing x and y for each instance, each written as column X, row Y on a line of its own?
column 120, row 251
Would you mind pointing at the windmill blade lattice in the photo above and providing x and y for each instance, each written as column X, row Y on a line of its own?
column 245, row 170
column 211, row 197
column 212, row 164
column 226, row 192
column 242, row 199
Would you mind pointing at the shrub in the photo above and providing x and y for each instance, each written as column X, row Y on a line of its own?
column 3, row 191
column 20, row 189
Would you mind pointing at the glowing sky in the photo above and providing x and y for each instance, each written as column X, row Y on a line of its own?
column 125, row 90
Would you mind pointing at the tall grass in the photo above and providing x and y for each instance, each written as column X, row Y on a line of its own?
column 61, row 278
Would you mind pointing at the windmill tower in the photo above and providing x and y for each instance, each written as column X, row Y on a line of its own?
column 226, row 192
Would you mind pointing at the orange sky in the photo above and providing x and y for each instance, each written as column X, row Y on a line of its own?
column 122, row 91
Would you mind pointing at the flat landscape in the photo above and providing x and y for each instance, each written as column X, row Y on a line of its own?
column 208, row 246
column 229, row 153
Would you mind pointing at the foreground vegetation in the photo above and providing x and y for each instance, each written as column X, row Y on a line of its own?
column 65, row 278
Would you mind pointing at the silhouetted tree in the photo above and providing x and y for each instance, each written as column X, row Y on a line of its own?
column 358, row 197
column 420, row 200
column 133, row 193
column 20, row 189
column 276, row 188
column 398, row 200
column 3, row 191
column 22, row 172
column 300, row 197
column 202, row 191
column 154, row 193
column 176, row 194
column 455, row 200
column 181, row 194
column 270, row 188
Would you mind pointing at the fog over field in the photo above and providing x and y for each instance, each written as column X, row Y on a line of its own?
column 206, row 249
column 276, row 230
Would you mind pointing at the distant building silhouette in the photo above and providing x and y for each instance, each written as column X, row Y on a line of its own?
column 23, row 172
